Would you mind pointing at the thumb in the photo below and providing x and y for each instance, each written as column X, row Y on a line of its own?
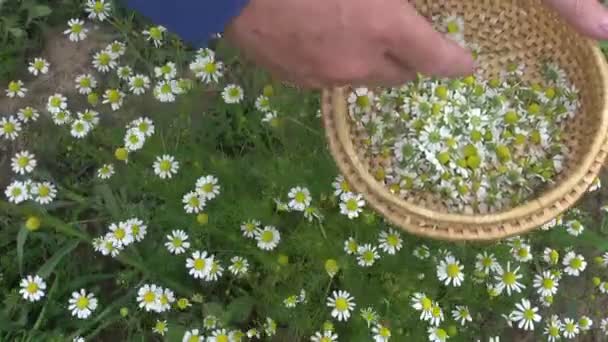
column 422, row 49
column 589, row 17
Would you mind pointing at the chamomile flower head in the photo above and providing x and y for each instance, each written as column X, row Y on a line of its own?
column 134, row 139
column 80, row 128
column 267, row 238
column 574, row 227
column 262, row 103
column 27, row 114
column 381, row 333
column 56, row 103
column 570, row 328
column 551, row 256
column 9, row 128
column 553, row 329
column 220, row 335
column 98, row 9
column 155, row 34
column 193, row 202
column 299, row 198
column 117, row 48
column 90, row 116
column 546, row 283
column 76, row 30
column 525, row 315
column 177, row 242
column 106, row 246
column 351, row 204
column 23, row 162
column 360, row 100
column 144, row 125
column 271, row 117
column 137, row 227
column 16, row 89
column 574, row 264
column 342, row 304
column 585, row 323
column 113, row 97
column 340, row 185
column 82, row 304
column 239, row 266
column 193, row 335
column 32, row 288
column 167, row 71
column 148, row 297
column 449, row 271
column 325, row 336
column 367, row 255
column 509, row 279
column 166, row 91
column 104, row 61
column 160, row 327
column 422, row 252
column 232, row 94
column 124, row 72
column 390, row 241
column 486, row 263
column 17, row 192
column 461, row 313
column 166, row 298
column 207, row 69
column 437, row 334
column 435, row 315
column 199, row 264
column 596, row 184
column 105, row 171
column 165, row 166
column 522, row 253
column 138, row 84
column 39, row 66
column 369, row 315
column 120, row 234
column 43, row 192
column 62, row 117
column 249, row 228
column 207, row 187
column 215, row 271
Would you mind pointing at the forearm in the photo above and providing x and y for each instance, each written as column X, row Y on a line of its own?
column 194, row 21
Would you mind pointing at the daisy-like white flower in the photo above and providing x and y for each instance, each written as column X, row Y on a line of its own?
column 167, row 71
column 210, row 322
column 16, row 89
column 595, row 185
column 193, row 336
column 249, row 228
column 267, row 238
column 461, row 313
column 525, row 314
column 351, row 204
column 76, row 30
column 148, row 297
column 437, row 334
column 207, row 187
column 574, row 227
column 78, row 339
column 239, row 266
column 232, row 94
column 98, row 9
column 553, row 329
column 546, row 283
column 17, row 192
column 193, row 202
column 351, row 246
column 165, row 166
column 105, row 245
column 90, row 116
column 166, row 298
column 56, row 103
column 262, row 103
column 342, row 304
column 435, row 316
column 117, row 48
column 449, row 271
column 144, row 125
column 105, row 171
column 80, row 128
column 390, row 242
column 39, row 66
column 219, row 335
column 570, row 328
column 585, row 323
column 120, row 234
column 61, row 117
column 509, row 280
column 177, row 242
column 360, row 100
column 124, row 72
column 137, row 227
column 326, row 336
column 486, row 263
column 114, row 97
column 207, row 69
column 43, row 192
column 9, row 128
column 104, row 61
column 381, row 333
column 367, row 255
column 155, row 34
column 138, row 84
column 32, row 288
column 134, row 139
column 574, row 263
column 271, row 118
column 23, row 162
column 422, row 303
column 82, row 304
column 165, row 91
column 199, row 265
column 160, row 327
column 28, row 114
column 216, row 270
column 551, row 256
column 522, row 253
column 299, row 198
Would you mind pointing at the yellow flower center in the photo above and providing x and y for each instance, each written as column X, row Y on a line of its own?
column 548, row 283
column 352, row 205
column 427, row 304
column 120, row 233
column 576, row 263
column 165, row 165
column 23, row 161
column 9, row 127
column 165, row 89
column 32, row 288
column 453, row 270
column 453, row 27
column 210, row 68
column 368, row 256
column 164, row 300
column 199, row 264
column 528, row 314
column 76, row 28
column 113, row 96
column 38, row 65
column 177, row 242
column 149, row 297
column 221, row 338
column 267, row 236
column 43, row 191
column 165, row 69
column 509, row 278
column 104, row 59
column 55, row 102
column 300, row 197
column 363, row 101
column 392, row 240
column 384, row 332
column 207, row 187
column 138, row 82
column 194, row 202
column 98, row 7
column 436, row 311
column 522, row 252
column 82, row 303
column 194, row 338
column 14, row 86
column 341, row 304
column 156, row 33
column 16, row 192
column 135, row 229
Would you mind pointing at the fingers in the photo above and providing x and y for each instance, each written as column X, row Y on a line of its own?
column 419, row 47
column 589, row 17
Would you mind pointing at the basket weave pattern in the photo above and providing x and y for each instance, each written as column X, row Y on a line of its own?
column 506, row 31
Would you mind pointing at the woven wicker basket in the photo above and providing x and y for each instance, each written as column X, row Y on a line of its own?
column 507, row 31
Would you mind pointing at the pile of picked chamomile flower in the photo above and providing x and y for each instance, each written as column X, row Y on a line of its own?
column 480, row 145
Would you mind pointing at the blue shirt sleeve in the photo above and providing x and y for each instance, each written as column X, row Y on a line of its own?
column 194, row 21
